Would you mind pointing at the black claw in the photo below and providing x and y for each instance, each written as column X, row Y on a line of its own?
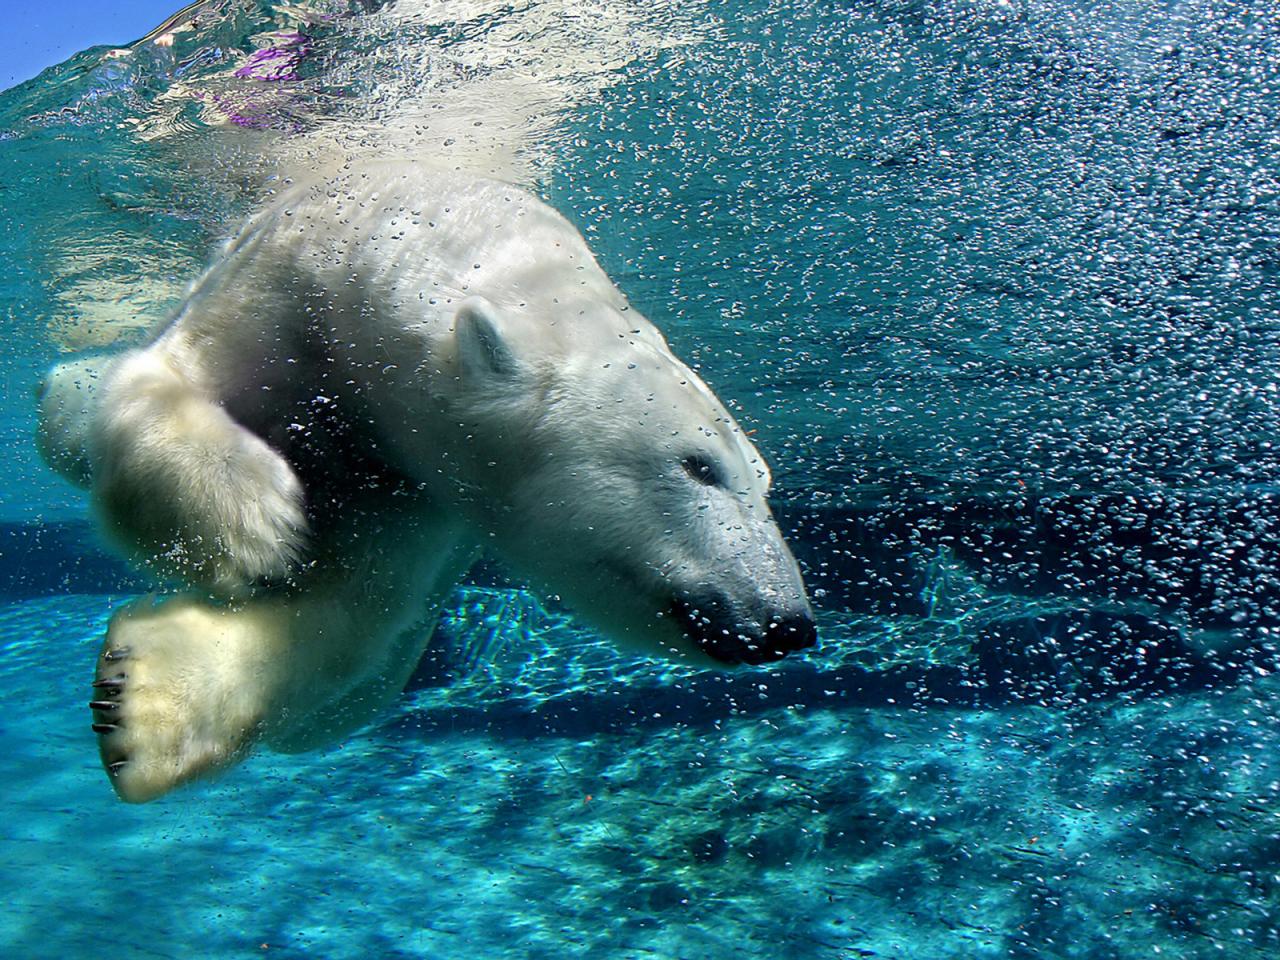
column 119, row 653
column 109, row 683
column 104, row 727
column 103, row 705
column 115, row 768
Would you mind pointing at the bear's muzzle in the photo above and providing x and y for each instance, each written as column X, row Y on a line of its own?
column 712, row 623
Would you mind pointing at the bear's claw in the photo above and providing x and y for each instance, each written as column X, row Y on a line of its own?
column 119, row 653
column 105, row 727
column 103, row 705
column 110, row 684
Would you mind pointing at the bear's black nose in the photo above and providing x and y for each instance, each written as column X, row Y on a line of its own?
column 794, row 632
column 711, row 622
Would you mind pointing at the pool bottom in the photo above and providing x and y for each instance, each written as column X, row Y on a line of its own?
column 797, row 826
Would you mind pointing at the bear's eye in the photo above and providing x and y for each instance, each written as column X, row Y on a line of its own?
column 703, row 470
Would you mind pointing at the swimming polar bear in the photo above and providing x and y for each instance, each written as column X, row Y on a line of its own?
column 379, row 377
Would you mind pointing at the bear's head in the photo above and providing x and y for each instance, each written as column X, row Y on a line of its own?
column 606, row 471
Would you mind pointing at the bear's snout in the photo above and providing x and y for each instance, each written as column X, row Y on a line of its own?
column 712, row 622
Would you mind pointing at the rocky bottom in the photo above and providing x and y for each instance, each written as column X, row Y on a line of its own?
column 536, row 795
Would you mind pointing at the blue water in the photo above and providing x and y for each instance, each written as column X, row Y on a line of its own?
column 996, row 285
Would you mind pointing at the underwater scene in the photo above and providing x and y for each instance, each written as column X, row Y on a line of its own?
column 994, row 288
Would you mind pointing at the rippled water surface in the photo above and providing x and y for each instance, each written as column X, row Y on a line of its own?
column 997, row 286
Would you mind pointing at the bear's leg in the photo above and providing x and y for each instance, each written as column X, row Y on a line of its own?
column 183, row 487
column 185, row 686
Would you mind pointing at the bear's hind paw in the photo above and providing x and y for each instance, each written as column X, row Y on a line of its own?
column 179, row 484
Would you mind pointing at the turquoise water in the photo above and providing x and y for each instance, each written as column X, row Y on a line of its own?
column 996, row 285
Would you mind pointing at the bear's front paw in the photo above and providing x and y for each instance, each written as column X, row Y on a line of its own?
column 171, row 703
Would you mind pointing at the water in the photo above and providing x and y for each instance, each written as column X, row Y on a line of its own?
column 995, row 284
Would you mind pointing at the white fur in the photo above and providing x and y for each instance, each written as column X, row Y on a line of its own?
column 468, row 345
column 182, row 486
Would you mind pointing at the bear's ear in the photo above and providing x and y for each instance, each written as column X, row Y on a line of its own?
column 483, row 349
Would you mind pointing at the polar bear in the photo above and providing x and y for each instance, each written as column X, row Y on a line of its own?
column 381, row 376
